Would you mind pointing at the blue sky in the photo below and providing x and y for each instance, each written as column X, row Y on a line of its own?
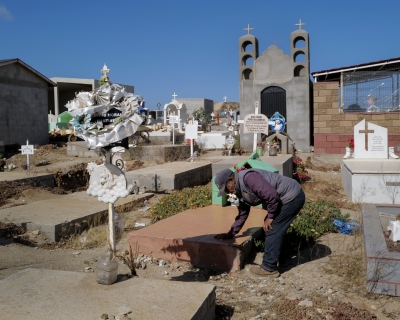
column 188, row 47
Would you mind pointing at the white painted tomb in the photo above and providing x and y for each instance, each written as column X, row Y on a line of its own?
column 371, row 176
column 215, row 139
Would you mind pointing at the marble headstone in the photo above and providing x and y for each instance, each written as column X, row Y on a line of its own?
column 377, row 141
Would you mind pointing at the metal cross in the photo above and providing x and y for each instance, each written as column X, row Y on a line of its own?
column 248, row 28
column 300, row 24
column 174, row 95
column 366, row 136
column 225, row 99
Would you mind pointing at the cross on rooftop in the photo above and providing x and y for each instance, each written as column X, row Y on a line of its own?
column 300, row 24
column 366, row 136
column 248, row 28
column 174, row 95
column 225, row 99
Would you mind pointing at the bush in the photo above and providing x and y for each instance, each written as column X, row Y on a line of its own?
column 181, row 200
column 315, row 219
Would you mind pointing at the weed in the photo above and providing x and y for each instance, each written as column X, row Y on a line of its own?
column 128, row 258
column 315, row 219
column 181, row 200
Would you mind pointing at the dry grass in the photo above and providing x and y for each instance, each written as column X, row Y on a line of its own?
column 348, row 263
column 92, row 238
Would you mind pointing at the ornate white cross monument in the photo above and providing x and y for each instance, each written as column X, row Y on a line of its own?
column 300, row 24
column 248, row 28
column 174, row 95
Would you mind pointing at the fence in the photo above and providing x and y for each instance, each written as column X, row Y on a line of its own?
column 371, row 91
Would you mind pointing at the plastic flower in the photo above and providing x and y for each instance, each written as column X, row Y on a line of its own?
column 81, row 122
column 350, row 143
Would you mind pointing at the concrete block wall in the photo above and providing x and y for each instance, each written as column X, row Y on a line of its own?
column 23, row 106
column 331, row 128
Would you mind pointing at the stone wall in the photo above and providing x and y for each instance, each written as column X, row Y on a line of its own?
column 331, row 128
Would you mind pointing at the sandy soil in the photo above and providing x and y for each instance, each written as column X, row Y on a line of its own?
column 326, row 279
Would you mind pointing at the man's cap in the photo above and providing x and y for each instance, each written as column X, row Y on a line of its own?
column 220, row 180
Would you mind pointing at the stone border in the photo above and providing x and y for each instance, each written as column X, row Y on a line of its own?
column 383, row 267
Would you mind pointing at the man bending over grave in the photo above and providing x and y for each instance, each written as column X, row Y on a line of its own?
column 280, row 196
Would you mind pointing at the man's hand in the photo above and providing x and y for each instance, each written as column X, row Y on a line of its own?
column 268, row 224
column 223, row 236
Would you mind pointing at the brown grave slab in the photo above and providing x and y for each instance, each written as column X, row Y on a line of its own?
column 189, row 237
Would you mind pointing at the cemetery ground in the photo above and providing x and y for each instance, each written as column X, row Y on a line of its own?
column 323, row 280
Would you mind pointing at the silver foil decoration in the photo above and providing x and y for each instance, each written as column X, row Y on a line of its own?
column 87, row 105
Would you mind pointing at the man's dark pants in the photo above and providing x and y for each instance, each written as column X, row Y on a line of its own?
column 274, row 237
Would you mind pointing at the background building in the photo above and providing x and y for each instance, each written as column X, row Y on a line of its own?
column 23, row 103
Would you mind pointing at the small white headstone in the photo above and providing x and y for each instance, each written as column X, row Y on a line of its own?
column 377, row 141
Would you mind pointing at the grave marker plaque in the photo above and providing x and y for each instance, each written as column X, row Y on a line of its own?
column 256, row 123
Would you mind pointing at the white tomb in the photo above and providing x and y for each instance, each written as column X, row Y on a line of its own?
column 373, row 176
column 214, row 140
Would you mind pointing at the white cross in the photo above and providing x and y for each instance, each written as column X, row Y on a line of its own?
column 27, row 149
column 174, row 95
column 255, row 135
column 300, row 24
column 248, row 28
column 225, row 99
column 105, row 70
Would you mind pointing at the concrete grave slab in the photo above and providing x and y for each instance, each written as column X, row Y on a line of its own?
column 162, row 153
column 383, row 267
column 172, row 176
column 61, row 217
column 189, row 237
column 50, row 294
column 80, row 149
column 37, row 179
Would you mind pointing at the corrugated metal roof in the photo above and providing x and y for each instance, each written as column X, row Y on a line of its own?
column 16, row 60
column 360, row 66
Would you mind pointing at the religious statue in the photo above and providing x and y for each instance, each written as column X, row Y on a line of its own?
column 277, row 122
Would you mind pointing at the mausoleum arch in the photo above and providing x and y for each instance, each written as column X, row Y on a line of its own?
column 175, row 107
column 247, row 60
column 247, row 74
column 299, row 56
column 247, row 46
column 299, row 42
column 299, row 71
